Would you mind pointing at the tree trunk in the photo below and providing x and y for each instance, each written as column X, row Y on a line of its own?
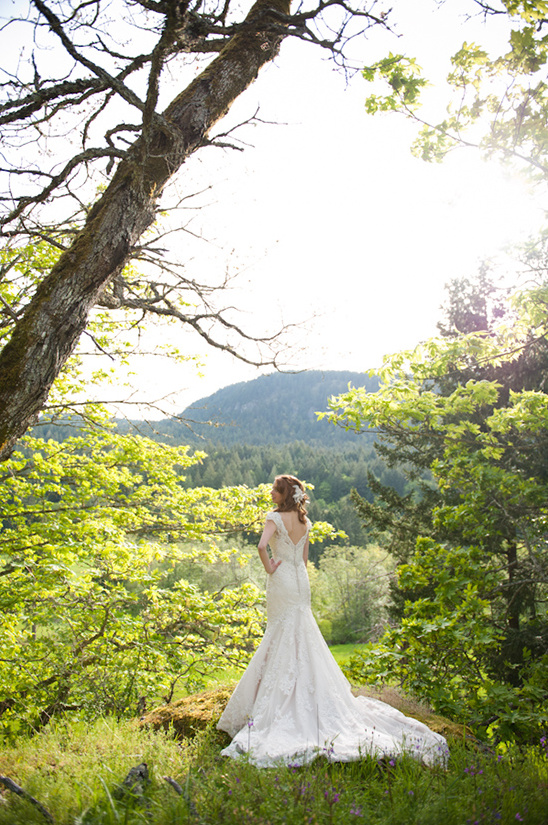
column 513, row 601
column 52, row 323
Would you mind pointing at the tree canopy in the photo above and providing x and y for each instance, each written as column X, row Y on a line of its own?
column 467, row 416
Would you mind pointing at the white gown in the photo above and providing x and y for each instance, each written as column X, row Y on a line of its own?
column 293, row 702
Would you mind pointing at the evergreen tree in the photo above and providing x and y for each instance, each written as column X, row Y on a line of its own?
column 460, row 416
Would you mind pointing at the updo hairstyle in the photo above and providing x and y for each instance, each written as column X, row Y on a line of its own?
column 287, row 486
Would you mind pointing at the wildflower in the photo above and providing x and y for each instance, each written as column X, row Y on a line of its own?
column 411, row 793
column 355, row 810
column 519, row 817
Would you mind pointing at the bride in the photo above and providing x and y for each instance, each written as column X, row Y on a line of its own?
column 293, row 702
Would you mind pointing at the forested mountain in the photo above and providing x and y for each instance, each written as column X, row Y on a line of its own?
column 279, row 408
column 255, row 430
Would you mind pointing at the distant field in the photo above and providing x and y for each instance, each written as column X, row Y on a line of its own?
column 342, row 653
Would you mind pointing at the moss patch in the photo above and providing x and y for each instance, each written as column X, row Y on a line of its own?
column 190, row 714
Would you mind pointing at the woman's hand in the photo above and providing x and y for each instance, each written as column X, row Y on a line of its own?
column 274, row 565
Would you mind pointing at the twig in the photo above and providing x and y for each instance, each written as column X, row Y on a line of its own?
column 13, row 786
column 175, row 785
column 184, row 792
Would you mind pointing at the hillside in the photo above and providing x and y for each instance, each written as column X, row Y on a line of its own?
column 279, row 408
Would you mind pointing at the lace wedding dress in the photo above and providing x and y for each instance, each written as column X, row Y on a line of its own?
column 293, row 703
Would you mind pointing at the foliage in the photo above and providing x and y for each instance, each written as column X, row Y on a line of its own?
column 474, row 304
column 266, row 427
column 402, row 75
column 113, row 334
column 498, row 103
column 92, row 618
column 349, row 585
column 74, row 770
column 473, row 567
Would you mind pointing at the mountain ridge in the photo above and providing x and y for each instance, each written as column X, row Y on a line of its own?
column 277, row 408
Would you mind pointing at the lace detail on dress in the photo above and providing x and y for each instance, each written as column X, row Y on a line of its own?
column 293, row 701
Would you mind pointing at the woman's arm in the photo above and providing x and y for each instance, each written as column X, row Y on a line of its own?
column 269, row 564
column 305, row 551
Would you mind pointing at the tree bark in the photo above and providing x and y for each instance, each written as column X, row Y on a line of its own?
column 53, row 321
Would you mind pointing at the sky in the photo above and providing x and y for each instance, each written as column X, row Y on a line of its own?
column 331, row 222
column 327, row 219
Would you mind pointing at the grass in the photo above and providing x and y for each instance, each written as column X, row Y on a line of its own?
column 74, row 770
column 342, row 653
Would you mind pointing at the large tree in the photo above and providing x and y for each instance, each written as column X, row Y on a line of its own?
column 108, row 91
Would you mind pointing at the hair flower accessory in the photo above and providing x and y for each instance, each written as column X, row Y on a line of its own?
column 299, row 494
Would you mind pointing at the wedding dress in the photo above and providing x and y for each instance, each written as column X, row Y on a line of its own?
column 293, row 702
